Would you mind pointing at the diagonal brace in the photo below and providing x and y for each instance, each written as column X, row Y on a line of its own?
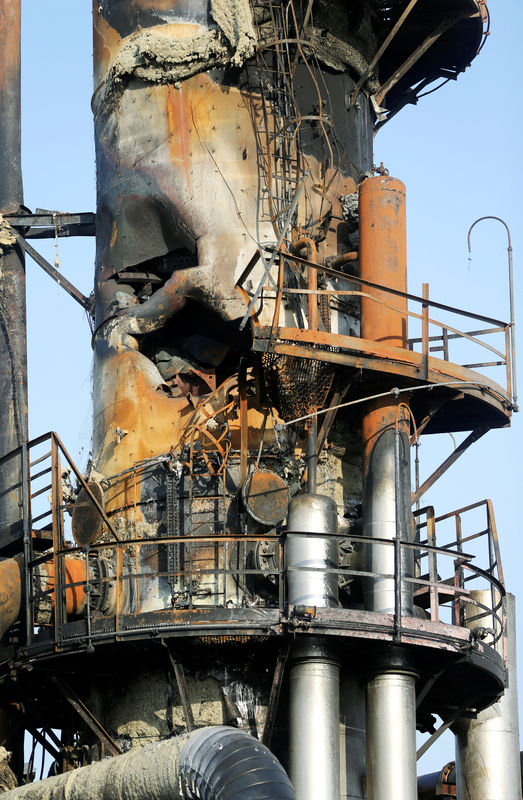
column 53, row 273
column 89, row 718
column 460, row 449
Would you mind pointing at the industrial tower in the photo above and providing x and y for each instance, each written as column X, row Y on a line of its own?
column 242, row 596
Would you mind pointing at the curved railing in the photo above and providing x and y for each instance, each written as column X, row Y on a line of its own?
column 175, row 576
column 488, row 345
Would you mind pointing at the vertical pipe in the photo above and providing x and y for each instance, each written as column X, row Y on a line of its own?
column 311, row 552
column 487, row 747
column 391, row 737
column 13, row 355
column 314, row 744
column 386, row 503
column 352, row 737
column 391, row 692
column 312, row 455
column 383, row 259
column 385, row 425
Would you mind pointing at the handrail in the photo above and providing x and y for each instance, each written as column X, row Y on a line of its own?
column 215, row 595
column 224, row 574
column 277, row 291
column 408, row 295
column 469, row 335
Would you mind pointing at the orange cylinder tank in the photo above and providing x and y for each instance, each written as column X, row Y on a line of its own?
column 10, row 592
column 75, row 597
column 383, row 259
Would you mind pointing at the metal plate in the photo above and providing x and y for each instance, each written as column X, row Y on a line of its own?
column 266, row 496
column 86, row 522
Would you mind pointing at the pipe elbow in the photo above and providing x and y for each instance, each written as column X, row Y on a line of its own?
column 220, row 762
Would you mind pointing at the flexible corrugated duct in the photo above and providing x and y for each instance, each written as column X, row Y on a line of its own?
column 209, row 763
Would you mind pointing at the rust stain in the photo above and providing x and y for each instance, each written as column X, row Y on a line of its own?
column 9, row 43
column 178, row 129
column 114, row 234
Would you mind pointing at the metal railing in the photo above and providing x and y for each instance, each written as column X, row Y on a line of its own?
column 435, row 336
column 230, row 571
column 43, row 522
column 456, row 589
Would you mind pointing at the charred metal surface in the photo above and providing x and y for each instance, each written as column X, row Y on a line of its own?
column 52, row 224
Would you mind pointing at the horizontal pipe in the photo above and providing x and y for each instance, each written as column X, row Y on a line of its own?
column 10, row 592
column 11, row 579
column 210, row 762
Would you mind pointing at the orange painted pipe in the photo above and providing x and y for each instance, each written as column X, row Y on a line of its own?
column 11, row 588
column 383, row 258
column 381, row 415
column 10, row 591
column 312, row 302
column 75, row 597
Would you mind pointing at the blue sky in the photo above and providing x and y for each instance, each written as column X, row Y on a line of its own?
column 459, row 153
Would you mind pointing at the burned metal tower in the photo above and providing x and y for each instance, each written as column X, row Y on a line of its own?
column 243, row 585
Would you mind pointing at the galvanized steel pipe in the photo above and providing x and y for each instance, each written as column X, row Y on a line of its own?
column 203, row 765
column 386, row 506
column 487, row 747
column 311, row 553
column 314, row 720
column 391, row 737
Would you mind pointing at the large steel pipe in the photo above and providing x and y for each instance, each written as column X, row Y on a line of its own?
column 311, row 552
column 385, row 425
column 391, row 737
column 13, row 355
column 383, row 259
column 314, row 742
column 487, row 747
column 208, row 763
column 391, row 700
column 386, row 506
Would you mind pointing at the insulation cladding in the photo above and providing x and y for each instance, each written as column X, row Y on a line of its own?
column 245, row 553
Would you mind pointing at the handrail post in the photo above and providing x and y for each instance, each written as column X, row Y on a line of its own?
column 511, row 302
column 508, row 359
column 433, row 565
column 425, row 331
column 58, row 541
column 26, row 514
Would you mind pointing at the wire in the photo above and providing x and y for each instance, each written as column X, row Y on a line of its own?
column 395, row 392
